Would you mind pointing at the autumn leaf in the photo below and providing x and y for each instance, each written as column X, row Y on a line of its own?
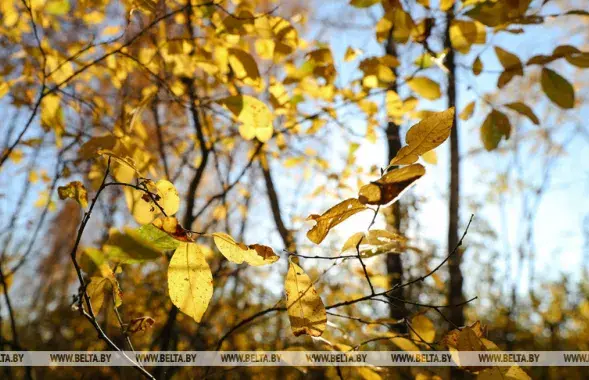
column 158, row 238
column 422, row 328
column 255, row 117
column 255, row 254
column 424, row 136
column 332, row 218
column 467, row 111
column 171, row 226
column 425, row 87
column 525, row 110
column 511, row 64
column 140, row 324
column 245, row 67
column 503, row 373
column 391, row 186
column 129, row 248
column 495, row 127
column 76, row 191
column 305, row 308
column 190, row 281
column 145, row 207
column 558, row 89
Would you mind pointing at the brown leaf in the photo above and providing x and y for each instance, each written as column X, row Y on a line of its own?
column 391, row 185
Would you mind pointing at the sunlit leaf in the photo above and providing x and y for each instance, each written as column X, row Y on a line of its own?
column 255, row 254
column 76, row 191
column 157, row 238
column 424, row 136
column 245, row 67
column 425, row 87
column 255, row 117
column 332, row 218
column 467, row 111
column 190, row 281
column 422, row 328
column 305, row 308
column 558, row 89
column 128, row 247
column 391, row 185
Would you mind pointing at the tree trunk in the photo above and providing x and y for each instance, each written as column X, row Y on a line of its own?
column 394, row 263
column 456, row 314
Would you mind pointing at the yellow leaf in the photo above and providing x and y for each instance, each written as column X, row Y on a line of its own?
column 255, row 117
column 446, row 4
column 424, row 329
column 91, row 147
column 468, row 340
column 280, row 32
column 96, row 289
column 190, row 281
column 425, row 87
column 430, row 157
column 525, row 110
column 353, row 241
column 245, row 67
column 57, row 7
column 503, row 373
column 404, row 343
column 495, row 127
column 424, row 136
column 76, row 191
column 143, row 206
column 306, row 311
column 351, row 54
column 255, row 254
column 363, row 3
column 332, row 218
column 464, row 34
column 169, row 198
column 558, row 89
column 467, row 111
column 390, row 186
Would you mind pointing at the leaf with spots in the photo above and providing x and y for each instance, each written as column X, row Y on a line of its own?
column 76, row 191
column 332, row 218
column 190, row 281
column 424, row 136
column 306, row 311
column 255, row 254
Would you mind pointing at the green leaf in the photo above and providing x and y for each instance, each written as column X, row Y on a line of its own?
column 130, row 248
column 157, row 238
column 558, row 89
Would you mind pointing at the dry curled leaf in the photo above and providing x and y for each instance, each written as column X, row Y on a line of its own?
column 332, row 218
column 255, row 254
column 390, row 186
